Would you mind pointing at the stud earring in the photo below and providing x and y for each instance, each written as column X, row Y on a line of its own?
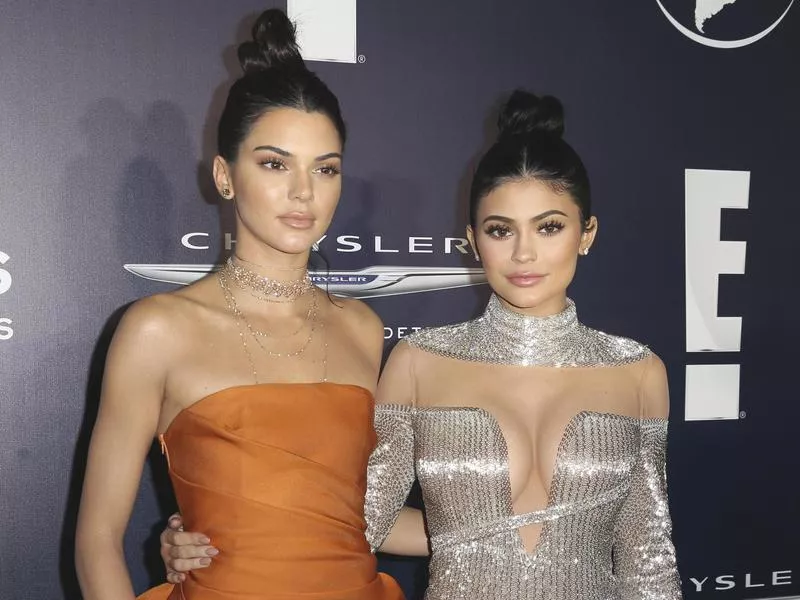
column 585, row 251
column 226, row 193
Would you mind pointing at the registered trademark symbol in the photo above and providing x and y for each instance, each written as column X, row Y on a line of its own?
column 743, row 414
column 362, row 59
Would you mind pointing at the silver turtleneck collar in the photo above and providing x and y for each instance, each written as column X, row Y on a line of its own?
column 503, row 336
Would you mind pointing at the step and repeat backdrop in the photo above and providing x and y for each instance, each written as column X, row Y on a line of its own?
column 685, row 112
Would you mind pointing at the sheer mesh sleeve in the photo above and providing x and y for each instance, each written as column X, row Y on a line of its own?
column 644, row 556
column 391, row 473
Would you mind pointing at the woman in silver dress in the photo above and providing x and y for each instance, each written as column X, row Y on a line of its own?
column 539, row 443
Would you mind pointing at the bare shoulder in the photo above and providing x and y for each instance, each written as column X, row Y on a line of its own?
column 151, row 324
column 164, row 323
column 177, row 311
column 154, row 338
column 655, row 387
column 359, row 311
column 397, row 382
column 358, row 318
column 400, row 358
column 142, row 353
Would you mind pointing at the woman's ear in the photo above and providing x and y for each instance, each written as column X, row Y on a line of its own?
column 222, row 178
column 472, row 244
column 588, row 235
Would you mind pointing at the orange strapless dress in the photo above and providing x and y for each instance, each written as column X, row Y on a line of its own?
column 275, row 475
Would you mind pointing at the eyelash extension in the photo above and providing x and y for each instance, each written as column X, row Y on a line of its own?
column 279, row 165
column 554, row 226
column 275, row 160
column 334, row 170
column 494, row 230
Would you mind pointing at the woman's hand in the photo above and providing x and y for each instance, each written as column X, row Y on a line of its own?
column 183, row 551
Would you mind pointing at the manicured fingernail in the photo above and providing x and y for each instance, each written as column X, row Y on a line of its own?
column 205, row 561
column 212, row 551
column 205, row 540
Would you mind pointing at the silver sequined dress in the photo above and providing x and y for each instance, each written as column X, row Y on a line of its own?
column 605, row 530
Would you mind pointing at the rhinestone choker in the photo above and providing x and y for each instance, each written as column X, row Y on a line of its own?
column 265, row 286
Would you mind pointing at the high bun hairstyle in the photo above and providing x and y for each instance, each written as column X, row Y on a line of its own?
column 530, row 146
column 275, row 76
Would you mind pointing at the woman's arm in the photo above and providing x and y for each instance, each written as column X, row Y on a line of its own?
column 130, row 405
column 408, row 536
column 644, row 556
column 391, row 527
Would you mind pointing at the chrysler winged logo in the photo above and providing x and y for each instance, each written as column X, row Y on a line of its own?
column 370, row 282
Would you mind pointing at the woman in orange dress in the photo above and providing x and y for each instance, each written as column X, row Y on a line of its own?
column 250, row 370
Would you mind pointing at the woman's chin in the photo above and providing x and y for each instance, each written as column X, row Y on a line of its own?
column 293, row 244
column 540, row 302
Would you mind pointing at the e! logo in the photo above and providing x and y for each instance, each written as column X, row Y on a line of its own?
column 712, row 391
column 326, row 31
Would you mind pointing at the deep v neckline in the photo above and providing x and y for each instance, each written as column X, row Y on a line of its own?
column 552, row 509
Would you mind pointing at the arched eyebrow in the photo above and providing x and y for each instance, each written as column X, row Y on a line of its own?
column 537, row 218
column 327, row 156
column 288, row 154
column 274, row 149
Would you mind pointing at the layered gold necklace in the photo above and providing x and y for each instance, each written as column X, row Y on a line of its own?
column 270, row 290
